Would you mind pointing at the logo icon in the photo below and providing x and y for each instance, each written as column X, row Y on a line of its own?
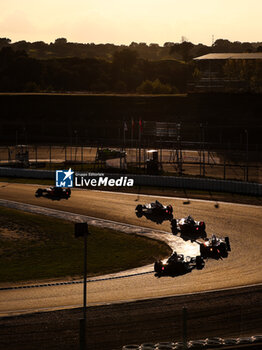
column 64, row 178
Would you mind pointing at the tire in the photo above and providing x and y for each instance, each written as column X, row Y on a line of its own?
column 158, row 267
column 228, row 244
column 139, row 208
column 173, row 223
column 222, row 247
column 199, row 262
column 39, row 192
column 203, row 252
column 174, row 226
column 223, row 250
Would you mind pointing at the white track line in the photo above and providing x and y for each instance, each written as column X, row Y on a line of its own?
column 76, row 217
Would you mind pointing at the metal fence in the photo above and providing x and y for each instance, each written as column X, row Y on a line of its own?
column 230, row 327
column 172, row 161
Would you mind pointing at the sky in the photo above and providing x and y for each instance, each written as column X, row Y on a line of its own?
column 126, row 21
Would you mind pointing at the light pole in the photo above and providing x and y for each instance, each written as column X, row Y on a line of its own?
column 246, row 131
column 81, row 230
column 76, row 143
column 202, row 150
column 184, row 328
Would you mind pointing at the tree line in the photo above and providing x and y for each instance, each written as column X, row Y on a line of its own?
column 126, row 73
column 185, row 50
column 107, row 68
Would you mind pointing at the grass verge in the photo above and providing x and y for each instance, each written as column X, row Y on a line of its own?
column 34, row 247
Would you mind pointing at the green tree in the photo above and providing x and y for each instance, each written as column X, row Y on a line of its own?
column 4, row 42
column 154, row 87
column 145, row 88
column 61, row 41
column 221, row 45
column 125, row 58
column 184, row 50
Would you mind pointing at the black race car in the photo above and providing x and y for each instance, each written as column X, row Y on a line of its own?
column 53, row 192
column 154, row 208
column 215, row 247
column 176, row 265
column 155, row 212
column 188, row 226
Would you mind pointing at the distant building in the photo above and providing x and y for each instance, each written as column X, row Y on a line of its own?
column 222, row 72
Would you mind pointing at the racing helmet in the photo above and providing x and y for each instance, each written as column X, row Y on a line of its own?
column 190, row 220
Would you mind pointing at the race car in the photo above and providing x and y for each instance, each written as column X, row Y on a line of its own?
column 53, row 192
column 176, row 264
column 154, row 208
column 155, row 212
column 215, row 247
column 188, row 226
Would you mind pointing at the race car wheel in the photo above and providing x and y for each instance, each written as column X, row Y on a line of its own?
column 158, row 267
column 174, row 226
column 227, row 243
column 139, row 214
column 223, row 250
column 199, row 262
column 139, row 208
column 173, row 222
column 39, row 192
column 203, row 251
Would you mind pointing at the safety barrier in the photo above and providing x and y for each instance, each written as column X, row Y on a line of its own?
column 27, row 173
column 203, row 184
column 199, row 184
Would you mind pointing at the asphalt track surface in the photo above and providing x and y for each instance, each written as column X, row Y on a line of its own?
column 242, row 223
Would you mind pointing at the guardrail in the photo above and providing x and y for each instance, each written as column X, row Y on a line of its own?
column 27, row 173
column 203, row 184
column 199, row 184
